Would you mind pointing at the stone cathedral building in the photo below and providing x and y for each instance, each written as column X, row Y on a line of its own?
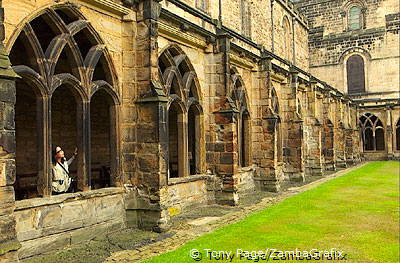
column 177, row 103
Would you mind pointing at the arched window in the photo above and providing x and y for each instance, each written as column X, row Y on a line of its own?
column 184, row 113
column 62, row 62
column 355, row 74
column 286, row 38
column 355, row 18
column 328, row 144
column 245, row 13
column 278, row 131
column 239, row 98
column 398, row 135
column 373, row 133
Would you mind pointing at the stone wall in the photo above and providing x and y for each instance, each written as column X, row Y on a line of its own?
column 8, row 239
column 46, row 224
column 330, row 42
column 240, row 82
column 184, row 194
column 261, row 24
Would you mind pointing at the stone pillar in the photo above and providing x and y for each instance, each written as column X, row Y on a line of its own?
column 265, row 139
column 340, row 138
column 357, row 140
column 8, row 237
column 328, row 143
column 389, row 133
column 222, row 148
column 348, row 132
column 313, row 164
column 293, row 153
column 144, row 129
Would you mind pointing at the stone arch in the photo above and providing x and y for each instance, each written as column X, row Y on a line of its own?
column 237, row 91
column 239, row 101
column 348, row 8
column 373, row 132
column 366, row 57
column 65, row 28
column 103, row 85
column 354, row 50
column 47, row 53
column 287, row 32
column 30, row 95
column 275, row 109
column 185, row 112
column 103, row 110
column 274, row 101
column 355, row 71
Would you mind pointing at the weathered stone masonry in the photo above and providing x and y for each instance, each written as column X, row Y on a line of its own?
column 171, row 106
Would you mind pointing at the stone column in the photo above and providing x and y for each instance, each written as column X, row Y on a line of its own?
column 222, row 147
column 328, row 143
column 348, row 132
column 340, row 139
column 293, row 155
column 314, row 154
column 389, row 133
column 265, row 141
column 144, row 129
column 8, row 237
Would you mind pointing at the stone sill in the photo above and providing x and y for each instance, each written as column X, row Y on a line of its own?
column 187, row 179
column 58, row 199
column 246, row 169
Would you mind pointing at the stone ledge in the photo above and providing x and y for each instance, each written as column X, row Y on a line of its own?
column 187, row 179
column 109, row 5
column 57, row 199
column 246, row 169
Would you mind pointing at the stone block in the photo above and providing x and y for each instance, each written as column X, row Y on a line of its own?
column 43, row 245
column 7, row 228
column 227, row 158
column 6, row 200
column 7, row 172
column 7, row 91
column 49, row 216
column 26, row 224
column 7, row 141
column 109, row 207
column 8, row 252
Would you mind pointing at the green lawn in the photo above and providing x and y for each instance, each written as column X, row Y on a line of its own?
column 357, row 214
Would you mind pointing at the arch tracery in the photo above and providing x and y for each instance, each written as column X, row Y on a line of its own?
column 58, row 55
column 239, row 101
column 185, row 112
column 373, row 132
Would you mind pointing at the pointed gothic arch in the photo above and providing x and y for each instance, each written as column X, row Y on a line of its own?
column 287, row 39
column 373, row 132
column 57, row 51
column 239, row 101
column 278, row 127
column 185, row 112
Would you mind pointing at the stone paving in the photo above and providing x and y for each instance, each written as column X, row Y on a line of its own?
column 189, row 226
